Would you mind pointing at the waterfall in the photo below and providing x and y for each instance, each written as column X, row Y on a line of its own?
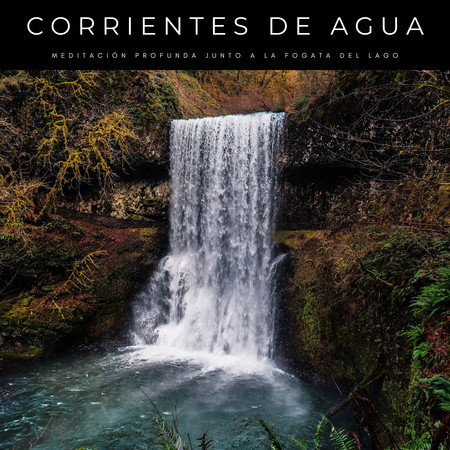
column 213, row 292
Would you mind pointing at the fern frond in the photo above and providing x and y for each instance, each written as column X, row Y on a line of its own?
column 171, row 439
column 274, row 443
column 341, row 439
column 206, row 443
column 439, row 387
column 319, row 427
column 299, row 444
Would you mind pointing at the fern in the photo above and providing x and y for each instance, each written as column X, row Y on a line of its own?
column 434, row 298
column 414, row 334
column 319, row 428
column 206, row 443
column 299, row 444
column 274, row 443
column 171, row 439
column 341, row 439
column 422, row 351
column 439, row 387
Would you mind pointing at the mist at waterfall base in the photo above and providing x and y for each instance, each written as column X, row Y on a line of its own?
column 203, row 333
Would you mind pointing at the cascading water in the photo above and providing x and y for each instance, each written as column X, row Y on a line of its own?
column 208, row 311
column 213, row 292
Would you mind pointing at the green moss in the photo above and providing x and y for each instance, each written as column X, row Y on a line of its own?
column 46, row 312
column 158, row 100
column 151, row 202
column 195, row 101
column 148, row 234
column 349, row 296
column 22, row 353
column 19, row 308
column 312, row 323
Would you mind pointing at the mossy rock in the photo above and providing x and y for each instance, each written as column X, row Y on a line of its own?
column 60, row 307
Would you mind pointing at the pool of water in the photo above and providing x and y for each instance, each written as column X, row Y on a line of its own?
column 102, row 399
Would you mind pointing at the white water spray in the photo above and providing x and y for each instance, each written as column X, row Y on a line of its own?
column 214, row 291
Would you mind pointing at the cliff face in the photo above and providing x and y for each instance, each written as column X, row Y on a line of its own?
column 57, row 309
column 364, row 223
column 367, row 141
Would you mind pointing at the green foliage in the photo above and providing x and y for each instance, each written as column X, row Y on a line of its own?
column 7, row 236
column 319, row 429
column 171, row 439
column 274, row 443
column 405, row 257
column 439, row 388
column 205, row 442
column 422, row 352
column 302, row 103
column 406, row 277
column 169, row 435
column 434, row 299
column 427, row 295
column 337, row 437
column 158, row 99
column 59, row 225
column 299, row 444
column 414, row 334
column 341, row 439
